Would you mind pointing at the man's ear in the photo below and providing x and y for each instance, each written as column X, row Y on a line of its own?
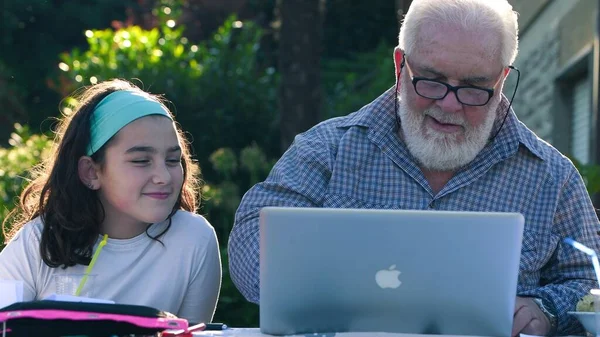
column 398, row 61
column 87, row 170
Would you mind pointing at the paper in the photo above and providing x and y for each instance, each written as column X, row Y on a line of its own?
column 71, row 298
column 10, row 292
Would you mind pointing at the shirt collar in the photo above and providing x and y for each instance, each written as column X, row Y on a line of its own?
column 379, row 117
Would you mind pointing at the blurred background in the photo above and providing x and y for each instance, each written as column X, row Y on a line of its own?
column 245, row 76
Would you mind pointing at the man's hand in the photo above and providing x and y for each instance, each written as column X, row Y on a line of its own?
column 529, row 319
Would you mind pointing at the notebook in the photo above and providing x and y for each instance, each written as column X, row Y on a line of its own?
column 421, row 272
column 63, row 318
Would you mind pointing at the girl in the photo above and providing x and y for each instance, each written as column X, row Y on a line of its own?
column 120, row 167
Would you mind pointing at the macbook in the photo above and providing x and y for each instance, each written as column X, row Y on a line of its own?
column 407, row 271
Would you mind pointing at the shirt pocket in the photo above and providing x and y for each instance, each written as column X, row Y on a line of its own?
column 529, row 265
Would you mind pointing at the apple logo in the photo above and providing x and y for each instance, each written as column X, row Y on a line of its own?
column 388, row 278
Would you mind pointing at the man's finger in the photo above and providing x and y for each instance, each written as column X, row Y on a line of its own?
column 519, row 304
column 521, row 319
column 535, row 327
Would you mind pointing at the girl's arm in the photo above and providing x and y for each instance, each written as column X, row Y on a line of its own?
column 203, row 292
column 20, row 259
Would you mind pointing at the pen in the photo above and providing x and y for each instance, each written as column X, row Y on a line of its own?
column 216, row 326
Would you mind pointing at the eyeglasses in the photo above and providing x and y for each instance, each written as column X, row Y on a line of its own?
column 465, row 94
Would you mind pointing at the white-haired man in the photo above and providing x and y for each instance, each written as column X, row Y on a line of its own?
column 444, row 137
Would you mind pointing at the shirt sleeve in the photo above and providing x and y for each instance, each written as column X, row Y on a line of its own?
column 200, row 300
column 569, row 275
column 20, row 260
column 298, row 179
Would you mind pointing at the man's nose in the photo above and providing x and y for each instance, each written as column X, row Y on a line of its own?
column 450, row 103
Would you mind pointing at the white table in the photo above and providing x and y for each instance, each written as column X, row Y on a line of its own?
column 255, row 332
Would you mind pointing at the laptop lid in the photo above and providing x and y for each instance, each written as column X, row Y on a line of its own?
column 407, row 271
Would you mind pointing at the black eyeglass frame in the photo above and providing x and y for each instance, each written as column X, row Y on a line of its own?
column 452, row 88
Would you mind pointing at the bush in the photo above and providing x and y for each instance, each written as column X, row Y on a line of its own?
column 220, row 94
column 11, row 102
column 351, row 83
column 221, row 203
column 25, row 151
column 590, row 174
column 34, row 32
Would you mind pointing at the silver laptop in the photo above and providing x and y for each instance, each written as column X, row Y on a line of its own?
column 423, row 272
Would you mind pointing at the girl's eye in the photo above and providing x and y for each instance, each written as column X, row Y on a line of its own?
column 141, row 161
column 174, row 161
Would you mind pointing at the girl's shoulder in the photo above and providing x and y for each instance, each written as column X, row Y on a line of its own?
column 192, row 225
column 30, row 232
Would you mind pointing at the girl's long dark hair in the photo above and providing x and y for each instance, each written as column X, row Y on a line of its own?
column 71, row 212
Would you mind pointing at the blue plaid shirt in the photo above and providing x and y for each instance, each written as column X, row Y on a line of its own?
column 358, row 161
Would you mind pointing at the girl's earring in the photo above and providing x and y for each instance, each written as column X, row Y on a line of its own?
column 90, row 186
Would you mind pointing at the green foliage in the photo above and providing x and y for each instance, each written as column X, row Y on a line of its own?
column 233, row 309
column 221, row 95
column 222, row 200
column 25, row 151
column 255, row 162
column 358, row 26
column 11, row 101
column 224, row 162
column 34, row 32
column 590, row 174
column 352, row 83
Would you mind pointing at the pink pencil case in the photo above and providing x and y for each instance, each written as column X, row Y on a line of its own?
column 57, row 318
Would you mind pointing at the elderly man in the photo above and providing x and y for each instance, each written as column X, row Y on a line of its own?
column 443, row 138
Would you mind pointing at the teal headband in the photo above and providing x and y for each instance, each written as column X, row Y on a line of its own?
column 117, row 110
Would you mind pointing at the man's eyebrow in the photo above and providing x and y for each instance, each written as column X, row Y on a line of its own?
column 431, row 71
column 468, row 79
column 476, row 79
column 150, row 149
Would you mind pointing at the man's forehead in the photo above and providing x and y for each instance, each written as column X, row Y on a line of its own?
column 436, row 37
column 445, row 55
column 471, row 73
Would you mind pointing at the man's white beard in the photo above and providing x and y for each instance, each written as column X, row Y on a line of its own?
column 441, row 151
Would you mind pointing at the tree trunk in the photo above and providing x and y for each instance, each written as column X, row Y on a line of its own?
column 300, row 47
